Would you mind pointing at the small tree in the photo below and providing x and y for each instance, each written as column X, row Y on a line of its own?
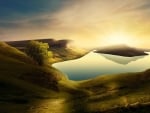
column 38, row 51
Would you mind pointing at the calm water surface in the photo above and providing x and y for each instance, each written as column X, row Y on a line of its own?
column 94, row 64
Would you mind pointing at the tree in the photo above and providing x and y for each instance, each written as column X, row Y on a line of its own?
column 39, row 52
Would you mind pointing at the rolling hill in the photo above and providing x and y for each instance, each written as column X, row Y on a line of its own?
column 17, row 64
column 28, row 88
column 21, row 44
column 120, row 93
column 61, row 50
column 24, row 84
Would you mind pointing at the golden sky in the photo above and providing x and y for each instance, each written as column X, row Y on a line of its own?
column 90, row 23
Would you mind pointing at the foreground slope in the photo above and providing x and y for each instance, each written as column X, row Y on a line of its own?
column 119, row 93
column 17, row 64
column 27, row 88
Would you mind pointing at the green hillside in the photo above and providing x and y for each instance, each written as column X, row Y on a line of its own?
column 14, row 53
column 29, row 88
column 24, row 84
column 16, row 64
column 115, row 92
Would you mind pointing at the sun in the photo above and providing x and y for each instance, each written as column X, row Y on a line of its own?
column 118, row 38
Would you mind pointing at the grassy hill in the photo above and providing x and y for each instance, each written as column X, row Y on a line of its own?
column 28, row 88
column 17, row 64
column 60, row 49
column 24, row 84
column 14, row 53
column 118, row 93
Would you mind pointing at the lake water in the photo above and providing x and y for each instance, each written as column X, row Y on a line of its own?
column 95, row 64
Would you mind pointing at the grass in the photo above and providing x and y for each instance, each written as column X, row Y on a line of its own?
column 115, row 91
column 27, row 88
column 15, row 69
column 63, row 54
column 14, row 53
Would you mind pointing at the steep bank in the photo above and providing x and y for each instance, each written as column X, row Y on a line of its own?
column 17, row 64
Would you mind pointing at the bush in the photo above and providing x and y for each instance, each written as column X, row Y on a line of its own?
column 38, row 51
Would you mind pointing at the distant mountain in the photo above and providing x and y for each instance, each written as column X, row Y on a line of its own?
column 53, row 43
column 122, row 50
column 61, row 50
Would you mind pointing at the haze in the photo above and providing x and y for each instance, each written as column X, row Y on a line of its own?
column 90, row 23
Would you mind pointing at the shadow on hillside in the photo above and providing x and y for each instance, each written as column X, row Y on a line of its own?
column 15, row 100
column 78, row 103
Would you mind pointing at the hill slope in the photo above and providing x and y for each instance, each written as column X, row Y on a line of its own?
column 28, row 88
column 120, row 93
column 17, row 64
column 60, row 49
column 14, row 53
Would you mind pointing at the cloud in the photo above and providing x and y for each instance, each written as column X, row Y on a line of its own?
column 84, row 20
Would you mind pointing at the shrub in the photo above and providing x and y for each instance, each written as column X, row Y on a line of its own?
column 38, row 51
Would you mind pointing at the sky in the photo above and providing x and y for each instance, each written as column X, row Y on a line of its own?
column 90, row 23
